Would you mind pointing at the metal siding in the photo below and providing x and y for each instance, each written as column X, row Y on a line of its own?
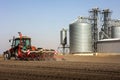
column 108, row 47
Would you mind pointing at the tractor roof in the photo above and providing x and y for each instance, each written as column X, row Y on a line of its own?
column 23, row 37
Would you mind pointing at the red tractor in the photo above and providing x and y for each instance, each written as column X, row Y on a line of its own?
column 21, row 49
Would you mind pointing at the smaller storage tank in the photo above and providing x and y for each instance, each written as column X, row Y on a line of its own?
column 115, row 28
column 80, row 36
column 115, row 31
column 63, row 36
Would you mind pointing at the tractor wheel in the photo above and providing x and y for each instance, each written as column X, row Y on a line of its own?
column 16, row 56
column 7, row 55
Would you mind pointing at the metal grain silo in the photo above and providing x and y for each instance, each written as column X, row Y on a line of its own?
column 80, row 36
column 63, row 36
column 115, row 31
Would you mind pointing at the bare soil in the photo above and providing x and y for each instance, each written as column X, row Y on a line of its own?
column 72, row 68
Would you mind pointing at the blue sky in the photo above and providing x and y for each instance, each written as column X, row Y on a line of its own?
column 43, row 19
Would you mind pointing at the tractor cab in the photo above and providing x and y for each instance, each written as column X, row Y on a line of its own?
column 25, row 42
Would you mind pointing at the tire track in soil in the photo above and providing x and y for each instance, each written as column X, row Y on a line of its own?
column 66, row 72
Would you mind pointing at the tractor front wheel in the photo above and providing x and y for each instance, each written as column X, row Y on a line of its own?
column 7, row 55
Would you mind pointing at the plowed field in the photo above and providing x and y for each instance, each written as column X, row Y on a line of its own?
column 83, row 68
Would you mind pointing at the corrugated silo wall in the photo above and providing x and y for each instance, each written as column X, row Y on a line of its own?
column 112, row 46
column 80, row 38
column 115, row 32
